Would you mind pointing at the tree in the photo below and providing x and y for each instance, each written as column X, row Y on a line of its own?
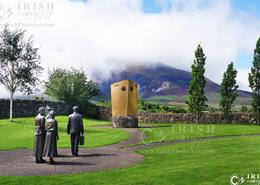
column 244, row 109
column 70, row 86
column 19, row 63
column 254, row 82
column 228, row 91
column 196, row 99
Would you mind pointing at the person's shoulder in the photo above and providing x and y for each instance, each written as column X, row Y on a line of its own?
column 80, row 115
column 39, row 117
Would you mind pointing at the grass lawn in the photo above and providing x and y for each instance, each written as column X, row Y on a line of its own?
column 166, row 132
column 209, row 162
column 197, row 163
column 20, row 133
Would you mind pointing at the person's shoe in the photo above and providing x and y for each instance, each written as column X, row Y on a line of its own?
column 42, row 160
column 76, row 155
column 52, row 162
column 37, row 161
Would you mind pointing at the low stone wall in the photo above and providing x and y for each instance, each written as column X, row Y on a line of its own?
column 105, row 113
column 30, row 107
column 189, row 117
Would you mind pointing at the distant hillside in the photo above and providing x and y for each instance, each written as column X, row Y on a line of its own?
column 163, row 83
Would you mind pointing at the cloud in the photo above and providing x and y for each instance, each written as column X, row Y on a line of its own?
column 242, row 78
column 107, row 34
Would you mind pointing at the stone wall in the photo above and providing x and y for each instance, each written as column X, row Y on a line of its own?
column 105, row 113
column 189, row 117
column 30, row 107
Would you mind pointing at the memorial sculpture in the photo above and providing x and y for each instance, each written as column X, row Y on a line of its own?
column 50, row 147
column 75, row 129
column 48, row 110
column 124, row 99
column 40, row 134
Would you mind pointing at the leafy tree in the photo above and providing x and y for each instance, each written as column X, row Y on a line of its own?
column 228, row 91
column 244, row 108
column 71, row 86
column 19, row 63
column 196, row 99
column 254, row 82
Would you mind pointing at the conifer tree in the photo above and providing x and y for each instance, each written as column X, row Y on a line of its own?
column 254, row 82
column 197, row 100
column 228, row 92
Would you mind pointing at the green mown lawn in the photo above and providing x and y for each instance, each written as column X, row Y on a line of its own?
column 166, row 132
column 209, row 162
column 197, row 163
column 20, row 133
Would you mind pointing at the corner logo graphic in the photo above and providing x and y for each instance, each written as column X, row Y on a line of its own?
column 33, row 13
column 250, row 178
column 5, row 12
column 236, row 180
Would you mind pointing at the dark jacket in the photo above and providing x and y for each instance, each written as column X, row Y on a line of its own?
column 75, row 124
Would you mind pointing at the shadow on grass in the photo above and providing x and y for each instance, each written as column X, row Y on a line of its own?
column 96, row 131
column 20, row 122
column 62, row 129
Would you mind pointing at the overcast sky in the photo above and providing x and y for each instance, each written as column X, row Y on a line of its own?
column 106, row 34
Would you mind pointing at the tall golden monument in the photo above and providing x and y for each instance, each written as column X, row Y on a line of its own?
column 124, row 98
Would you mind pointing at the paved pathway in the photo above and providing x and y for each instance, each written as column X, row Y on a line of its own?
column 21, row 162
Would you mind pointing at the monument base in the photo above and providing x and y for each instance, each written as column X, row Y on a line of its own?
column 125, row 122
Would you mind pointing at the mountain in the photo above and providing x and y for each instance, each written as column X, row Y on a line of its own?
column 162, row 82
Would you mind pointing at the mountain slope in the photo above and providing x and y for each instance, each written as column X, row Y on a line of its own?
column 160, row 81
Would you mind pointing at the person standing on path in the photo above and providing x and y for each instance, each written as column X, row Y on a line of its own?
column 40, row 134
column 74, row 129
column 51, row 127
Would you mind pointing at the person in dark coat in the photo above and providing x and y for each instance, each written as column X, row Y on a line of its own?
column 40, row 134
column 74, row 129
column 50, row 147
